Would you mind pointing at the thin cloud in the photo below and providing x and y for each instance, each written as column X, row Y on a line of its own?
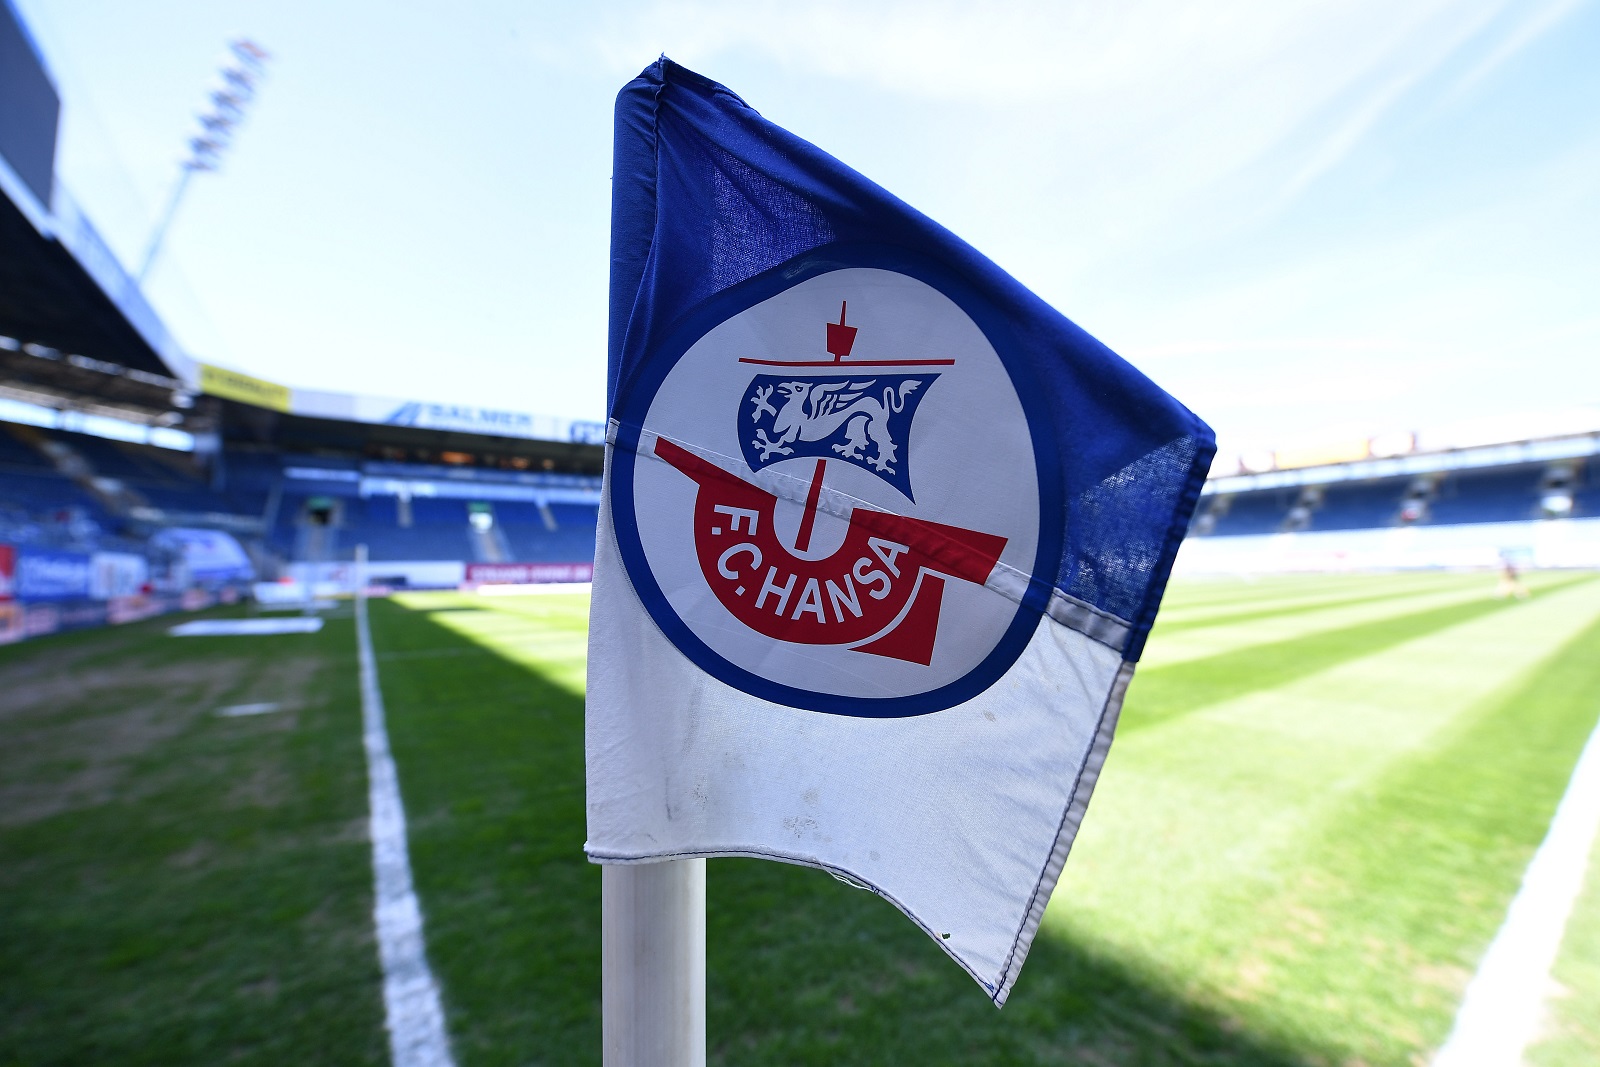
column 1532, row 28
column 1380, row 100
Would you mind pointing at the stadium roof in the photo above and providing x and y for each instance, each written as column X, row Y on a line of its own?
column 78, row 337
column 1508, row 453
column 62, row 291
column 49, row 299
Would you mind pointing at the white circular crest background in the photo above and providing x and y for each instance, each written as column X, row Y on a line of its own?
column 969, row 452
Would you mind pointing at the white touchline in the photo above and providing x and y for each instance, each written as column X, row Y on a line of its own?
column 412, row 1011
column 1500, row 1013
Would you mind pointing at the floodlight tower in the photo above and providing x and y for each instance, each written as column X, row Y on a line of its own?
column 229, row 100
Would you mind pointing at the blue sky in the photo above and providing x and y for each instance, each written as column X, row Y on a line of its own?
column 1304, row 219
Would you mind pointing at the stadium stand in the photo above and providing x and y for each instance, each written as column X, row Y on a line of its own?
column 129, row 470
column 1253, row 513
column 1497, row 495
column 112, row 438
column 1478, row 503
column 1359, row 506
column 1509, row 493
column 1586, row 494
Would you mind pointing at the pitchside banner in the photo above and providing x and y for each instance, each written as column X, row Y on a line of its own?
column 881, row 539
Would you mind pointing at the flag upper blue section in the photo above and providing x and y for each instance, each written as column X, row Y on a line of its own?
column 708, row 195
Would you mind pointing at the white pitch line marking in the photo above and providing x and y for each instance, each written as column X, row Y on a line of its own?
column 246, row 627
column 1499, row 1016
column 237, row 710
column 412, row 1012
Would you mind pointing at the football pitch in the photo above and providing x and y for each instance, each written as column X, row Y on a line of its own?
column 1322, row 797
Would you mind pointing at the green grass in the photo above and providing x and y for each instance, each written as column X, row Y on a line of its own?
column 1179, row 618
column 491, row 764
column 177, row 887
column 1322, row 799
column 1162, row 691
column 802, row 969
column 1413, row 871
column 1571, row 1035
column 1260, row 848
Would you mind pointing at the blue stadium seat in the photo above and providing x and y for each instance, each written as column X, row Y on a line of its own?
column 1359, row 505
column 1503, row 494
column 15, row 455
column 1258, row 512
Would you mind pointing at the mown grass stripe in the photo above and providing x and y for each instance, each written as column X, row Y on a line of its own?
column 802, row 970
column 1160, row 694
column 1210, row 593
column 1202, row 849
column 1168, row 650
column 1499, row 1016
column 1390, row 904
column 1572, row 1033
column 1287, row 608
column 1251, row 597
column 1214, row 589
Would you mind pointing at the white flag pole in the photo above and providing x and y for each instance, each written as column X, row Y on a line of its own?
column 653, row 963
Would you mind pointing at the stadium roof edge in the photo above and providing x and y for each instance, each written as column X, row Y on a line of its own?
column 1532, row 450
column 475, row 419
column 61, row 287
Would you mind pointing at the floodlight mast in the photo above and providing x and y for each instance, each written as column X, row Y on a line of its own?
column 229, row 100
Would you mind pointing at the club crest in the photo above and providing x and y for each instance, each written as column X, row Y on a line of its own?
column 795, row 588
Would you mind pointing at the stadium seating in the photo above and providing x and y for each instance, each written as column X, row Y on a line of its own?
column 15, row 455
column 1502, row 494
column 1586, row 493
column 43, row 492
column 1493, row 494
column 1255, row 513
column 1359, row 505
column 40, row 506
column 438, row 529
column 571, row 541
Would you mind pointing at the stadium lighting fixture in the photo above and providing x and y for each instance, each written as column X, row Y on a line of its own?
column 229, row 101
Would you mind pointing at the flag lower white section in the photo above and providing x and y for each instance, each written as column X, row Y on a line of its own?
column 962, row 818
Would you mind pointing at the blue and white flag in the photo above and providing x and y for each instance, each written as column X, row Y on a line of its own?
column 881, row 540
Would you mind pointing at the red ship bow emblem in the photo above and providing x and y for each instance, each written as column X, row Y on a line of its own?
column 879, row 592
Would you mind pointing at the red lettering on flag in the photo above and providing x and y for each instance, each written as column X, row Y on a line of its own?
column 883, row 580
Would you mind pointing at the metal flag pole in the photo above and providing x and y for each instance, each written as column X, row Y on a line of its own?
column 653, row 963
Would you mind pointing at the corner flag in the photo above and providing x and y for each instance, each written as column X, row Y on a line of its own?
column 881, row 539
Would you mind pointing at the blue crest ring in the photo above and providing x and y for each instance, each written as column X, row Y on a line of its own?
column 636, row 393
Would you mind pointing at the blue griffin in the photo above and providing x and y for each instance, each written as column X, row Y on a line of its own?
column 865, row 421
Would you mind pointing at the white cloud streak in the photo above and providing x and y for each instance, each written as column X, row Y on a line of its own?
column 1532, row 28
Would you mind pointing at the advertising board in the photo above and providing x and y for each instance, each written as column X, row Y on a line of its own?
column 527, row 573
column 10, row 622
column 117, row 574
column 233, row 385
column 43, row 575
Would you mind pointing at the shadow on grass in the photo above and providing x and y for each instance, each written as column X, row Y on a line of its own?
column 802, row 969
